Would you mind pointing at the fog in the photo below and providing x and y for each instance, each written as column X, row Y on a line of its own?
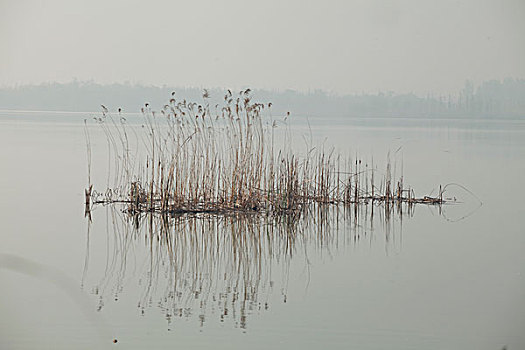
column 343, row 47
column 494, row 98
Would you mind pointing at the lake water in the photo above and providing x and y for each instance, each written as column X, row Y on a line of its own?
column 432, row 279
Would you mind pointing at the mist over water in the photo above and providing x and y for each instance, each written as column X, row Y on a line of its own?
column 431, row 278
column 424, row 98
column 495, row 98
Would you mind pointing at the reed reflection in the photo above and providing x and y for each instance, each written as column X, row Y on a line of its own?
column 224, row 268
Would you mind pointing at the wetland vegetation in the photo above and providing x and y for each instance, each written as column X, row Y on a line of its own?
column 196, row 158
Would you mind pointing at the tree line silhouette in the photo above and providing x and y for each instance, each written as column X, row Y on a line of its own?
column 494, row 98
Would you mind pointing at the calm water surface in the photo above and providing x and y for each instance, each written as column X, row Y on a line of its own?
column 430, row 280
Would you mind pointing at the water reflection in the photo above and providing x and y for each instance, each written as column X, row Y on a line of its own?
column 224, row 268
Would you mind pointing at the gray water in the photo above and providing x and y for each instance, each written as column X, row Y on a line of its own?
column 433, row 279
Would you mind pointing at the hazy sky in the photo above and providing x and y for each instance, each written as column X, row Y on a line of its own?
column 341, row 46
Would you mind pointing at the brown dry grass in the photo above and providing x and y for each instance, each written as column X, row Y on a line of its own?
column 217, row 159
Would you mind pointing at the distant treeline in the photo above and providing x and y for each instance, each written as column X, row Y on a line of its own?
column 490, row 99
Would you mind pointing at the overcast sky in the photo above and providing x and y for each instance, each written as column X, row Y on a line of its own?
column 340, row 46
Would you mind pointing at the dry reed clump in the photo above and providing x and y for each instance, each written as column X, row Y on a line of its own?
column 197, row 158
